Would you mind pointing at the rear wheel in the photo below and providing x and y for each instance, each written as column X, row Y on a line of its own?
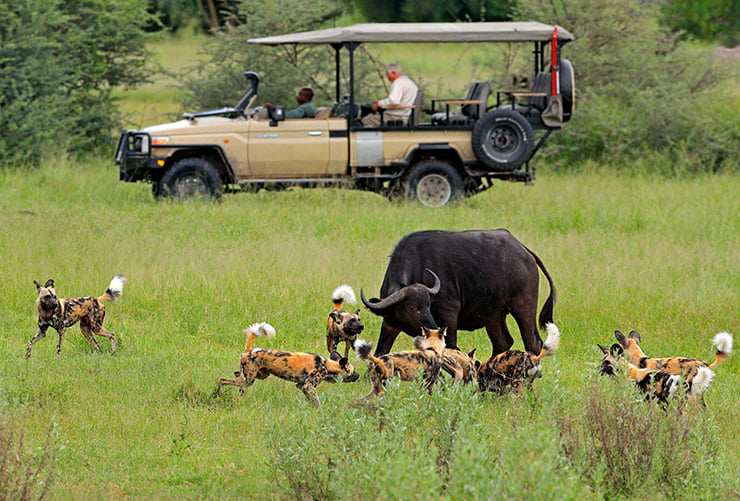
column 503, row 140
column 191, row 178
column 433, row 183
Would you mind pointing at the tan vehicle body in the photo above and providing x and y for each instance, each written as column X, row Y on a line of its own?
column 435, row 160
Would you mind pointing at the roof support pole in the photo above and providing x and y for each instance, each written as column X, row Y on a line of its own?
column 337, row 47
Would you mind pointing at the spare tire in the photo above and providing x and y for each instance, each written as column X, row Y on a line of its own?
column 503, row 140
column 567, row 88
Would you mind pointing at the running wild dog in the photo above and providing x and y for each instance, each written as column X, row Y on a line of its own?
column 342, row 326
column 693, row 371
column 62, row 313
column 654, row 383
column 307, row 370
column 426, row 360
column 515, row 368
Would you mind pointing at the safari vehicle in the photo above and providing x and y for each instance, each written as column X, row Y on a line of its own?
column 467, row 144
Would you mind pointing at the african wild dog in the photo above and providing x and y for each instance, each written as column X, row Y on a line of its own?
column 657, row 384
column 342, row 326
column 63, row 313
column 307, row 370
column 515, row 368
column 690, row 369
column 459, row 365
column 427, row 359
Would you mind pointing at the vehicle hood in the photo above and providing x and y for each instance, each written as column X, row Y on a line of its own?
column 184, row 127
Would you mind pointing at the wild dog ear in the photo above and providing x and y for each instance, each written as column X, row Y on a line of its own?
column 335, row 316
column 636, row 336
column 477, row 364
column 49, row 283
column 425, row 331
column 604, row 351
column 472, row 353
column 443, row 332
column 38, row 285
column 335, row 356
column 620, row 337
column 357, row 312
column 616, row 350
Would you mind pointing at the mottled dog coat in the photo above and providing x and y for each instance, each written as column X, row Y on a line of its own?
column 657, row 384
column 693, row 371
column 426, row 360
column 62, row 313
column 514, row 368
column 306, row 370
column 459, row 365
column 342, row 326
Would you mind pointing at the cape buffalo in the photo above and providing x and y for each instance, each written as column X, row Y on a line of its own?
column 479, row 278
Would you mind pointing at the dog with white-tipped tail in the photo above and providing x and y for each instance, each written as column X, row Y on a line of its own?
column 513, row 369
column 698, row 375
column 306, row 370
column 62, row 313
column 342, row 326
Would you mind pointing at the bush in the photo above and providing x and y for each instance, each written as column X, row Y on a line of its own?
column 639, row 90
column 58, row 64
column 23, row 475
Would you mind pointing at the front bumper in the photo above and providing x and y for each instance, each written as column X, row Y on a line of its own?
column 134, row 156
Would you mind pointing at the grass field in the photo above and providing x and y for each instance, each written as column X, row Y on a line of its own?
column 655, row 255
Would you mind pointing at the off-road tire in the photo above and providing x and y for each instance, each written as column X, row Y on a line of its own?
column 433, row 183
column 191, row 178
column 567, row 88
column 503, row 140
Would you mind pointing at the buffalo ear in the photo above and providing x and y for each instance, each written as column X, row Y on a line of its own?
column 636, row 336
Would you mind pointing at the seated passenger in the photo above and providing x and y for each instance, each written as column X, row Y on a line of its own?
column 305, row 107
column 401, row 96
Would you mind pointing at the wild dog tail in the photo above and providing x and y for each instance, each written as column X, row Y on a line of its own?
column 115, row 289
column 364, row 350
column 723, row 343
column 341, row 294
column 258, row 329
column 551, row 343
column 702, row 381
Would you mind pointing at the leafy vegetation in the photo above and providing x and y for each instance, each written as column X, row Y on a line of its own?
column 59, row 62
column 649, row 253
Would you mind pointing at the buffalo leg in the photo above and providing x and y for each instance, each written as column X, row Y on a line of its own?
column 387, row 337
column 526, row 319
column 498, row 333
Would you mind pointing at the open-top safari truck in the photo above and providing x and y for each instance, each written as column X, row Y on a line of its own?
column 469, row 141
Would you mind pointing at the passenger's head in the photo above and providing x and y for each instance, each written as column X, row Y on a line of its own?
column 305, row 95
column 393, row 71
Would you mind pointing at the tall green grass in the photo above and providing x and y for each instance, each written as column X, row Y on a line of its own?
column 626, row 252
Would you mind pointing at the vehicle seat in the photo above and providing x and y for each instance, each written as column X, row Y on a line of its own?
column 478, row 91
column 418, row 103
column 322, row 112
column 535, row 103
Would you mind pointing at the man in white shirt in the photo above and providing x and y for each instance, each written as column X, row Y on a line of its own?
column 400, row 101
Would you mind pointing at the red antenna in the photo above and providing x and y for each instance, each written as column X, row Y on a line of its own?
column 554, row 64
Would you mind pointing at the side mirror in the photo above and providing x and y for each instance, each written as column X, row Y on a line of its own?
column 278, row 115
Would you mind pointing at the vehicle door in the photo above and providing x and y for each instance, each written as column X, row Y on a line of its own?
column 294, row 148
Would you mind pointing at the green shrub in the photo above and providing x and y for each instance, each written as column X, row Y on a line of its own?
column 58, row 64
column 640, row 91
column 24, row 474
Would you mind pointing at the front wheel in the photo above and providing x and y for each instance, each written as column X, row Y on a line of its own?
column 191, row 178
column 433, row 183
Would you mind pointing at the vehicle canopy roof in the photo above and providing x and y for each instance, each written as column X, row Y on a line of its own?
column 422, row 33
